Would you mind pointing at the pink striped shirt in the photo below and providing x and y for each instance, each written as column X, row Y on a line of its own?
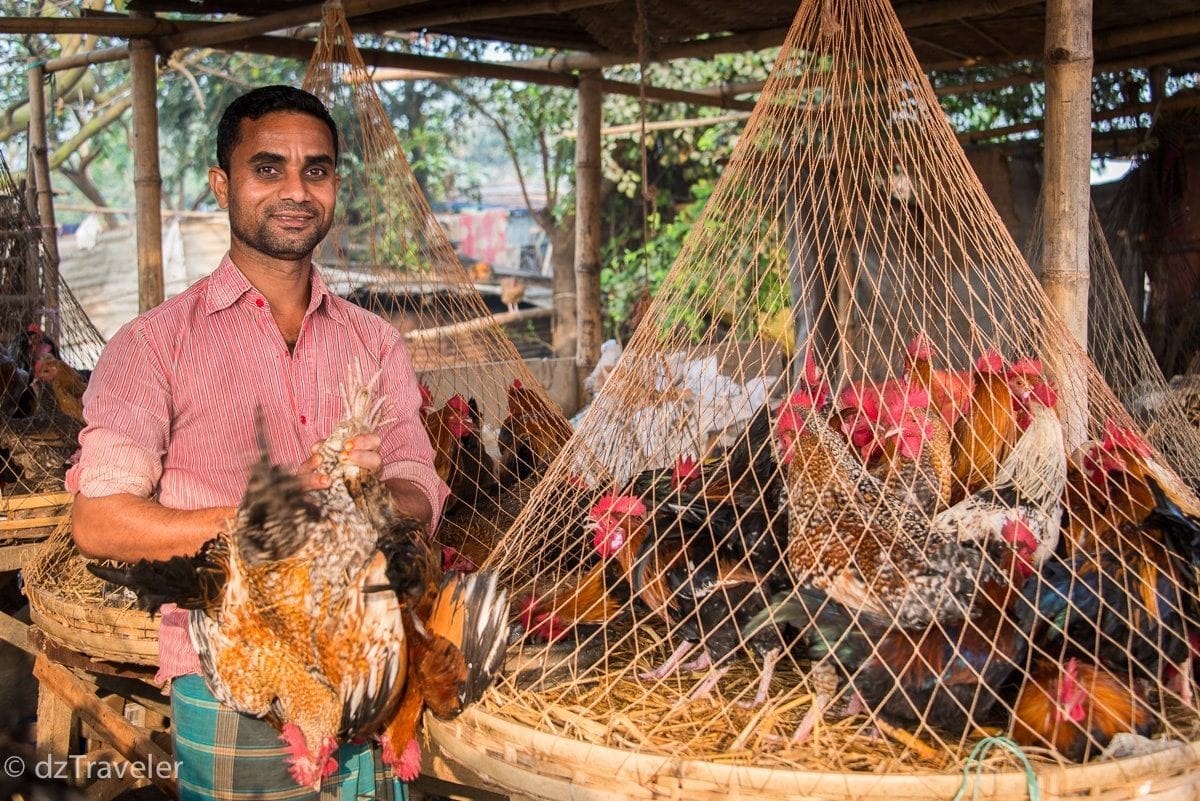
column 170, row 407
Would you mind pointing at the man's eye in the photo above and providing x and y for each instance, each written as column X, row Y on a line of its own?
column 266, row 169
column 317, row 172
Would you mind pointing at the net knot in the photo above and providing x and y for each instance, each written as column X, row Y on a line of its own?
column 975, row 760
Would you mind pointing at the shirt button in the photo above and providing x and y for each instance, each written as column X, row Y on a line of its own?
column 303, row 420
column 259, row 302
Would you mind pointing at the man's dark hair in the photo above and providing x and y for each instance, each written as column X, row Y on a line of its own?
column 261, row 102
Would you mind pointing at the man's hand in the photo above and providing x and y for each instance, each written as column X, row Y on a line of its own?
column 361, row 450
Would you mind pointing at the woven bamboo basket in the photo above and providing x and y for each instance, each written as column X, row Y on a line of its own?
column 69, row 604
column 540, row 765
column 28, row 518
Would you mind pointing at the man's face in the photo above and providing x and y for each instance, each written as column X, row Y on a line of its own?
column 281, row 187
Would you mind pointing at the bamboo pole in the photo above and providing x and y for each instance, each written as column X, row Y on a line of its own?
column 94, row 25
column 443, row 67
column 292, row 17
column 1068, row 161
column 587, row 220
column 1174, row 102
column 147, row 180
column 477, row 12
column 102, row 56
column 39, row 158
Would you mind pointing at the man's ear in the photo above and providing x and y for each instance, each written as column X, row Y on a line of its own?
column 218, row 182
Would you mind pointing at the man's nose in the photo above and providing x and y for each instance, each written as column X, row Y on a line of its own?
column 293, row 187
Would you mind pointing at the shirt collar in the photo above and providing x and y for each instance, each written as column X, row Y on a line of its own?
column 228, row 284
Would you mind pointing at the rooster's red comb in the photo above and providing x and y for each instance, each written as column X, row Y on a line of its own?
column 919, row 347
column 990, row 363
column 612, row 505
column 1117, row 437
column 1026, row 365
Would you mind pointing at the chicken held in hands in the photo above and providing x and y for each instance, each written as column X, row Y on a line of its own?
column 299, row 610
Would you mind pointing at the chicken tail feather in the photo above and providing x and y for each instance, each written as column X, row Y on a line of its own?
column 471, row 612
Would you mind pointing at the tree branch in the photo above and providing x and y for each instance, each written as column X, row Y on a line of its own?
column 508, row 142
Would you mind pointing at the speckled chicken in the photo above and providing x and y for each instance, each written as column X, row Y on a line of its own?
column 300, row 611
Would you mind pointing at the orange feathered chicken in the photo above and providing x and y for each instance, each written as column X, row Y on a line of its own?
column 320, row 610
column 64, row 382
column 949, row 391
column 1076, row 709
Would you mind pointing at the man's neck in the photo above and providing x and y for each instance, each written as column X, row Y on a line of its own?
column 286, row 285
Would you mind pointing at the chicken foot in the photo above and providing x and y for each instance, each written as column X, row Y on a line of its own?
column 672, row 663
column 770, row 660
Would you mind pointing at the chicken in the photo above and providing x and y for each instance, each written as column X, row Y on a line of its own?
column 1128, row 599
column 852, row 540
column 943, row 676
column 984, row 435
column 904, row 444
column 13, row 385
column 677, row 571
column 1076, row 708
column 532, row 435
column 446, row 428
column 1028, row 485
column 512, row 291
column 301, row 611
column 949, row 392
column 64, row 383
column 454, row 652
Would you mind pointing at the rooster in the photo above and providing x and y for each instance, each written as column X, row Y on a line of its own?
column 945, row 675
column 679, row 574
column 851, row 539
column 1076, row 708
column 984, row 435
column 949, row 392
column 446, row 428
column 1128, row 599
column 905, row 444
column 302, row 611
column 532, row 435
column 1028, row 485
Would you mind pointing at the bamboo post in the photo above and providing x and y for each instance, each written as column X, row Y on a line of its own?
column 146, row 178
column 39, row 160
column 1068, row 160
column 587, row 220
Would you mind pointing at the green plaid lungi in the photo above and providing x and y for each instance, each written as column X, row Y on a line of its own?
column 225, row 755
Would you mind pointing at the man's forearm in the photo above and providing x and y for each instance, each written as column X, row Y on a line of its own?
column 410, row 499
column 128, row 527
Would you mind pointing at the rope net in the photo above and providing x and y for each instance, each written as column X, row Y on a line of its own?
column 1121, row 353
column 853, row 498
column 47, row 348
column 389, row 254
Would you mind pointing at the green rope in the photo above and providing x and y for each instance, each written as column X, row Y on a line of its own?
column 976, row 760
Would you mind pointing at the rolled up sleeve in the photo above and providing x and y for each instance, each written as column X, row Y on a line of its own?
column 126, row 409
column 404, row 446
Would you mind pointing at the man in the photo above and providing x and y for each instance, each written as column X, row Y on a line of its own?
column 170, row 413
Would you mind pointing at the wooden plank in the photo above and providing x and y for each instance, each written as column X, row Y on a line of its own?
column 15, row 633
column 128, row 740
column 14, row 557
column 57, row 726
